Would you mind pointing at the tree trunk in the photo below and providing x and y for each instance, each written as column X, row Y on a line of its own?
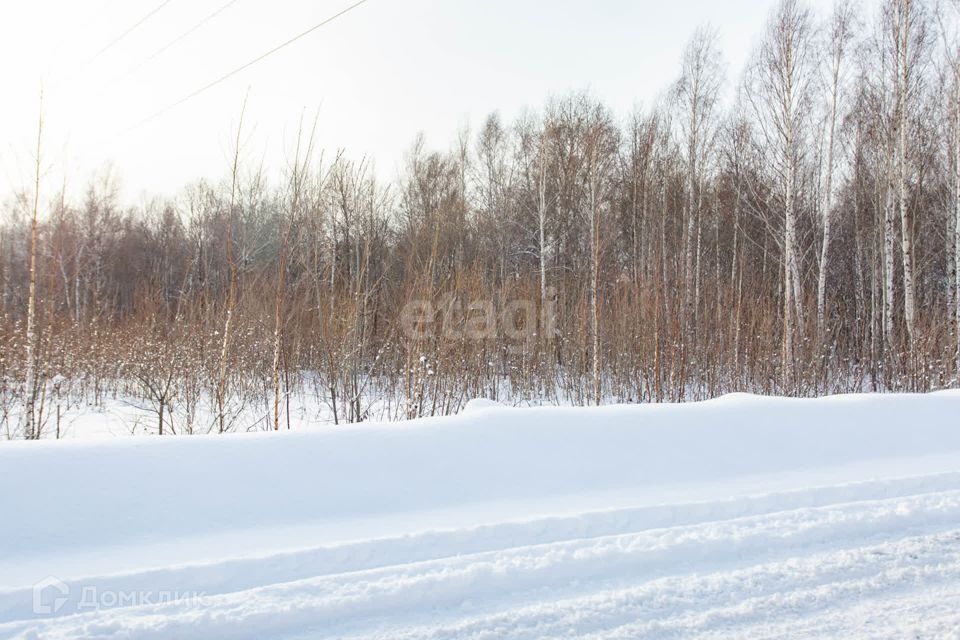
column 232, row 292
column 956, row 217
column 542, row 225
column 827, row 213
column 595, row 282
column 889, row 244
column 30, row 430
column 906, row 213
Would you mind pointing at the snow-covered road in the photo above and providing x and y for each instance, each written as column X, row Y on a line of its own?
column 856, row 536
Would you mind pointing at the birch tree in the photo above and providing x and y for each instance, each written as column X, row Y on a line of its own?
column 951, row 105
column 839, row 41
column 780, row 95
column 601, row 142
column 30, row 429
column 221, row 391
column 906, row 32
column 697, row 94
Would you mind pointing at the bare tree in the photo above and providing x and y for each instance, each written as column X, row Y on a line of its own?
column 30, row 429
column 601, row 147
column 782, row 79
column 905, row 26
column 297, row 178
column 697, row 93
column 839, row 41
column 232, row 287
column 951, row 89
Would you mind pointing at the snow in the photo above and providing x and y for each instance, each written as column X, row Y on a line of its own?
column 739, row 517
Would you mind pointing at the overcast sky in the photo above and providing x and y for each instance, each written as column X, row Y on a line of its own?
column 379, row 74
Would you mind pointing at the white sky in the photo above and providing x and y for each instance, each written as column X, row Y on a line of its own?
column 379, row 74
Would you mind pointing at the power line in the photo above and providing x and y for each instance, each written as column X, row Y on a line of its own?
column 84, row 28
column 243, row 67
column 69, row 75
column 181, row 37
column 130, row 30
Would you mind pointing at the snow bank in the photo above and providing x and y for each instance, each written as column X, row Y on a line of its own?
column 75, row 495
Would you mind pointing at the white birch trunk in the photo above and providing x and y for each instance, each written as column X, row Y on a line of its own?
column 906, row 214
column 595, row 274
column 889, row 268
column 827, row 202
column 28, row 418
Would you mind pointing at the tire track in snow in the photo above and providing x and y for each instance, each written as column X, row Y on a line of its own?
column 815, row 594
column 656, row 581
column 233, row 575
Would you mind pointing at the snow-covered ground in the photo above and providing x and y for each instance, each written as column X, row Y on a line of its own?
column 742, row 517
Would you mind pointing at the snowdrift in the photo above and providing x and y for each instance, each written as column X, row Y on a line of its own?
column 68, row 495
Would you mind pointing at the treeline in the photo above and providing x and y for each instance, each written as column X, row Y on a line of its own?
column 800, row 238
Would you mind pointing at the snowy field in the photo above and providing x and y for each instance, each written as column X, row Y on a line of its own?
column 742, row 517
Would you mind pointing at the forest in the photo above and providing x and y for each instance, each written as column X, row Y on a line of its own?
column 789, row 228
